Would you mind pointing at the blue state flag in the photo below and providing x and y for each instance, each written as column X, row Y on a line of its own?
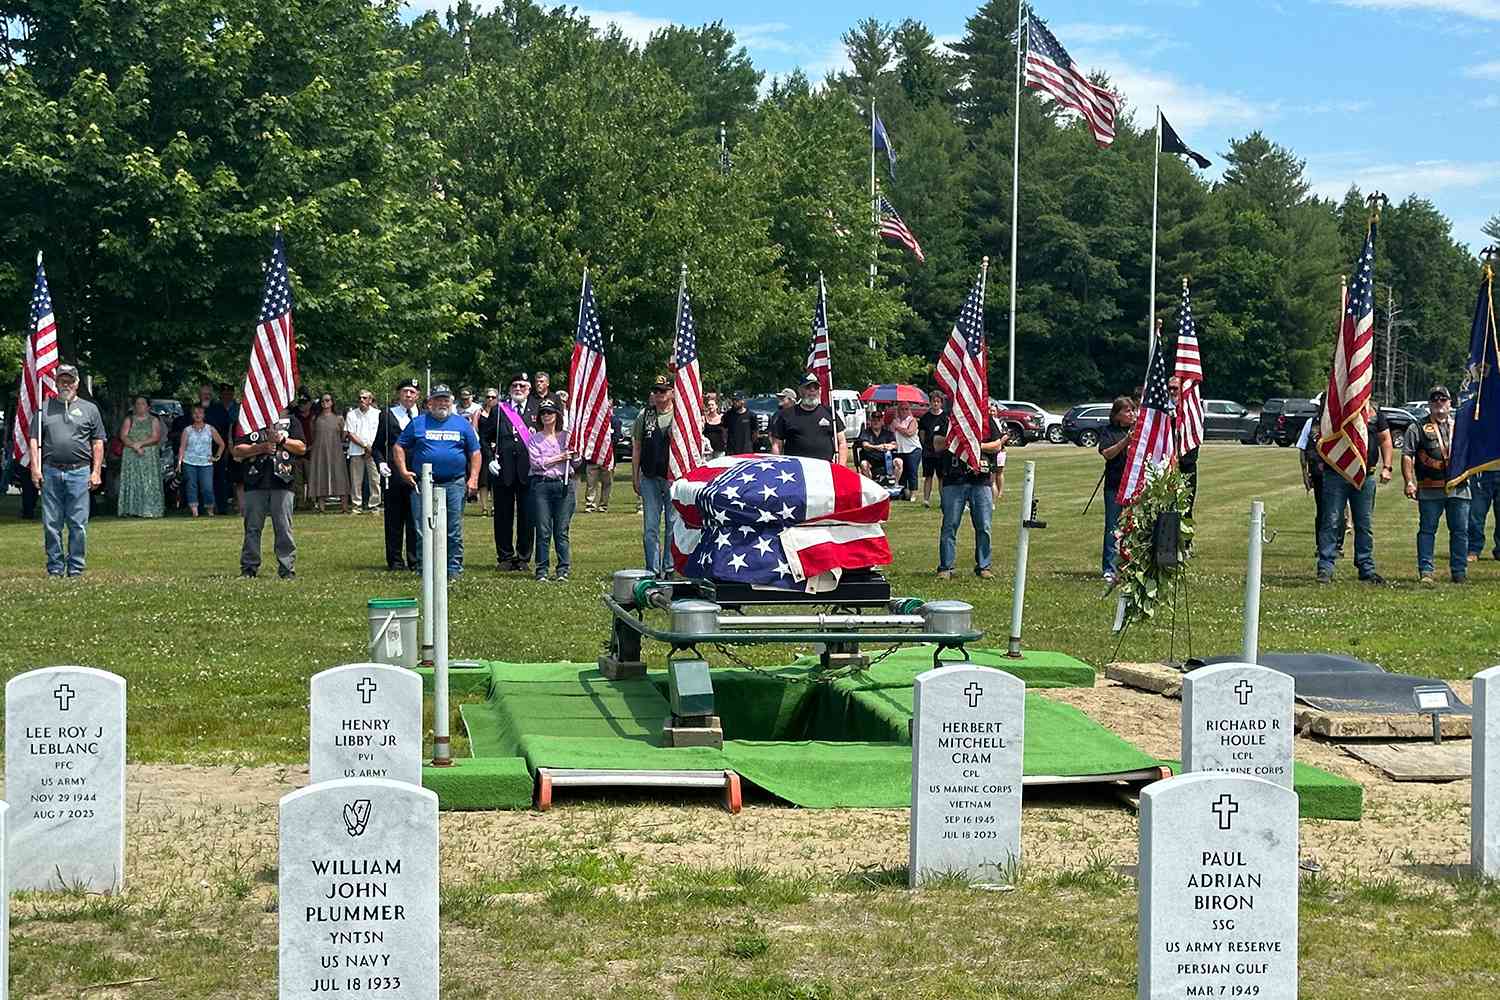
column 1476, row 433
column 882, row 140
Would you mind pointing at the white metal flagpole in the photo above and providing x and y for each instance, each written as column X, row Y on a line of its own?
column 874, row 205
column 1015, row 198
column 1151, row 303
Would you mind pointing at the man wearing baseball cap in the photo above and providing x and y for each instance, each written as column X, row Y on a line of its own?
column 650, row 455
column 510, row 476
column 1424, row 467
column 67, row 461
column 445, row 442
column 809, row 429
column 402, row 550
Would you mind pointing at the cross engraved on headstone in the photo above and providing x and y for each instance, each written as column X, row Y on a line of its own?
column 1244, row 689
column 64, row 696
column 1225, row 808
column 366, row 689
column 972, row 692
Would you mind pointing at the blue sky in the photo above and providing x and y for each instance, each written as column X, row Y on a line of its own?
column 1397, row 95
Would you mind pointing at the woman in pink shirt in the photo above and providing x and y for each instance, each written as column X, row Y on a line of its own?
column 551, row 488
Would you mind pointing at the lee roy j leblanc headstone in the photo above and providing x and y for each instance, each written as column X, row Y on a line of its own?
column 1237, row 717
column 967, row 728
column 65, row 776
column 1218, row 888
column 359, row 891
column 366, row 722
column 1484, row 811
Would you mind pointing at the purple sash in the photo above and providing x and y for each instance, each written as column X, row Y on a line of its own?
column 522, row 431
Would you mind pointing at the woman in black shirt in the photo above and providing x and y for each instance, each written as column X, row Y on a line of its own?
column 1114, row 441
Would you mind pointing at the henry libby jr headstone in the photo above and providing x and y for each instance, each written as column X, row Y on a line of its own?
column 1218, row 888
column 65, row 776
column 966, row 732
column 1484, row 812
column 366, row 723
column 359, row 891
column 1237, row 717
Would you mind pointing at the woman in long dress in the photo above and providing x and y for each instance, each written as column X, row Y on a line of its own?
column 140, row 463
column 327, row 472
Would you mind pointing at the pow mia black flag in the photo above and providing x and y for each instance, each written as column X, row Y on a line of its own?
column 1171, row 142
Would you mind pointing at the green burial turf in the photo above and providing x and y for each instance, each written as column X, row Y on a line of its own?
column 1320, row 795
column 1039, row 668
column 462, row 681
column 477, row 783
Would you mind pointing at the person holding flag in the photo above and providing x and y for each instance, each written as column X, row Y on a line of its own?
column 1426, row 455
column 1476, row 426
column 67, row 462
column 38, row 383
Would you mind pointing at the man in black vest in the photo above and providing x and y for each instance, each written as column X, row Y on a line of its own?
column 399, row 527
column 1424, row 466
column 650, row 460
column 510, row 476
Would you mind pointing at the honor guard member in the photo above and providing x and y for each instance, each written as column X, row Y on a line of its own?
column 650, row 459
column 269, row 455
column 1424, row 466
column 808, row 429
column 510, row 476
column 67, row 461
column 402, row 550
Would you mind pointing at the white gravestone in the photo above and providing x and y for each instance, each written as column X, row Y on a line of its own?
column 65, row 776
column 4, row 905
column 1238, row 717
column 968, row 723
column 359, row 891
column 1484, row 812
column 366, row 722
column 1218, row 888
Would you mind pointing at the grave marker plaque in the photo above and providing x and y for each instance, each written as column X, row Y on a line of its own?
column 1218, row 888
column 359, row 891
column 968, row 723
column 1484, row 812
column 1237, row 718
column 366, row 722
column 65, row 776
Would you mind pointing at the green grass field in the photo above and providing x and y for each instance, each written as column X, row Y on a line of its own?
column 218, row 666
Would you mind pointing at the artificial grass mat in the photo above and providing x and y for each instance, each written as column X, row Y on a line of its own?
column 1039, row 668
column 1320, row 795
column 474, row 783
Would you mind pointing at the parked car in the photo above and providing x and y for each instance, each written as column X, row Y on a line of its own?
column 1418, row 408
column 1294, row 413
column 1023, row 426
column 1226, row 420
column 1082, row 423
column 764, row 408
column 1265, row 430
column 848, row 408
column 627, row 412
column 1399, row 418
column 1051, row 422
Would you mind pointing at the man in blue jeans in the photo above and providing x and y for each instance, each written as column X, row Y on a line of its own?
column 1338, row 491
column 1485, row 496
column 447, row 442
column 67, row 461
column 651, row 450
column 1424, row 466
column 964, row 485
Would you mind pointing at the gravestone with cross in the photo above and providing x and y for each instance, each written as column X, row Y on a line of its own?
column 967, row 726
column 358, row 891
column 1218, row 888
column 65, row 776
column 1484, row 814
column 1238, row 717
column 366, row 722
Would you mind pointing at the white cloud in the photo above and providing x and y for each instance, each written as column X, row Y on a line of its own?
column 1189, row 105
column 1483, row 71
column 1098, row 34
column 636, row 27
column 1424, row 178
column 1484, row 10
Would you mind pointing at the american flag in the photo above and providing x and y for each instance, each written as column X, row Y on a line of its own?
column 1342, row 437
column 687, row 392
column 271, row 377
column 588, row 386
column 962, row 375
column 819, row 359
column 778, row 520
column 1151, row 438
column 1050, row 68
column 1189, row 372
column 891, row 227
column 38, row 366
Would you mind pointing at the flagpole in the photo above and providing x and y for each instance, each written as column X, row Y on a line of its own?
column 874, row 205
column 1155, row 188
column 39, row 414
column 1015, row 200
column 984, row 273
column 572, row 389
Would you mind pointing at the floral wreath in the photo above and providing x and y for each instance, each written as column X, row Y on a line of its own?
column 1141, row 580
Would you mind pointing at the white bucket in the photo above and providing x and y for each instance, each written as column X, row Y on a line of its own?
column 393, row 632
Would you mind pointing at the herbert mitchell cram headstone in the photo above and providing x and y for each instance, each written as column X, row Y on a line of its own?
column 359, row 891
column 366, row 723
column 966, row 732
column 65, row 775
column 1218, row 888
column 1237, row 717
column 1484, row 812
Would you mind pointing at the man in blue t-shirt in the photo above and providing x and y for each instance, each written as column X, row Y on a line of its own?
column 447, row 442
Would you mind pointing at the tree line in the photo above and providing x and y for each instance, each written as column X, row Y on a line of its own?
column 443, row 183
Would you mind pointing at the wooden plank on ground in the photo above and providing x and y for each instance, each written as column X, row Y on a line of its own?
column 1449, row 761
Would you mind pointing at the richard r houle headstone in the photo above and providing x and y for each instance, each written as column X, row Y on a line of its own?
column 1237, row 717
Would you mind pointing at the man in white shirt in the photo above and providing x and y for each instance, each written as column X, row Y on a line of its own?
column 361, row 424
column 468, row 407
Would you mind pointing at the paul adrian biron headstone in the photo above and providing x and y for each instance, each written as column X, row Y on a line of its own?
column 359, row 891
column 366, row 723
column 1237, row 717
column 1484, row 812
column 967, row 727
column 1218, row 888
column 65, row 778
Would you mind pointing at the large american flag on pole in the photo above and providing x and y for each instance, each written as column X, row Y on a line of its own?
column 1342, row 434
column 588, row 386
column 38, row 365
column 1151, row 438
column 1189, row 372
column 1049, row 68
column 687, row 391
column 961, row 374
column 819, row 359
column 891, row 227
column 271, row 377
